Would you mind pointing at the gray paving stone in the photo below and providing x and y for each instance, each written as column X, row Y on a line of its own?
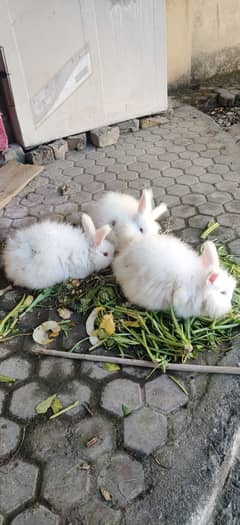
column 102, row 137
column 51, row 367
column 173, row 172
column 37, row 515
column 218, row 196
column 210, row 208
column 65, row 483
column 195, row 199
column 195, row 170
column 139, row 184
column 17, row 486
column 235, row 247
column 10, row 434
column 162, row 393
column 123, row 477
column 25, row 399
column 117, row 185
column 202, row 187
column 170, row 200
column 190, row 155
column 97, row 513
column 159, row 165
column 93, row 187
column 227, row 186
column 22, row 223
column 232, row 176
column 76, row 391
column 178, row 189
column 164, row 182
column 175, row 223
column 212, row 178
column 145, row 431
column 128, row 175
column 66, row 208
column 199, row 221
column 16, row 367
column 48, row 439
column 95, row 370
column 233, row 206
column 187, row 179
column 229, row 219
column 197, row 147
column 121, row 392
column 191, row 235
column 184, row 210
column 88, row 429
column 106, row 177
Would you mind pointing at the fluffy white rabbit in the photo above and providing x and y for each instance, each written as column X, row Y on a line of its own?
column 160, row 271
column 47, row 253
column 128, row 217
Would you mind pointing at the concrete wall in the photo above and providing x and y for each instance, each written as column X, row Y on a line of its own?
column 203, row 38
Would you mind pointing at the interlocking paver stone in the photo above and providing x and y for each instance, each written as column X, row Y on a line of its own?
column 229, row 219
column 93, row 427
column 95, row 370
column 210, row 208
column 97, row 513
column 123, row 477
column 77, row 391
column 195, row 199
column 52, row 367
column 38, row 515
column 121, row 392
column 9, row 436
column 17, row 485
column 233, row 206
column 25, row 399
column 162, row 393
column 199, row 221
column 48, row 440
column 2, row 396
column 218, row 196
column 235, row 247
column 145, row 430
column 184, row 210
column 65, row 483
column 16, row 367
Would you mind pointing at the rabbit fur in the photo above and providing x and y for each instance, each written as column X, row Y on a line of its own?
column 128, row 217
column 160, row 271
column 47, row 253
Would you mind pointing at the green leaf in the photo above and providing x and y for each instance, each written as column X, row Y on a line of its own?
column 125, row 410
column 7, row 379
column 56, row 405
column 111, row 367
column 43, row 407
column 70, row 407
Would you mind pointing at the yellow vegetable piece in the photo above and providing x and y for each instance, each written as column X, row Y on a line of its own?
column 108, row 324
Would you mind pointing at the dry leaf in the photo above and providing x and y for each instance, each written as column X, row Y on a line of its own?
column 56, row 405
column 64, row 313
column 90, row 325
column 108, row 324
column 41, row 334
column 105, row 494
column 43, row 407
column 111, row 367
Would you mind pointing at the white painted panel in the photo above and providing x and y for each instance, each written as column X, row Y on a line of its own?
column 79, row 64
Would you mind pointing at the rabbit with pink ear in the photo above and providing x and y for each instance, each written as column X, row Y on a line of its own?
column 47, row 253
column 128, row 217
column 158, row 272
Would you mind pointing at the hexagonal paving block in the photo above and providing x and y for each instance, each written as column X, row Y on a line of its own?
column 219, row 197
column 25, row 399
column 65, row 483
column 199, row 221
column 89, row 428
column 235, row 247
column 184, row 210
column 178, row 189
column 210, row 208
column 123, row 477
column 95, row 370
column 76, row 391
column 52, row 367
column 233, row 206
column 162, row 393
column 10, row 434
column 97, row 513
column 47, row 440
column 229, row 219
column 17, row 486
column 194, row 199
column 121, row 392
column 16, row 367
column 38, row 515
column 145, row 430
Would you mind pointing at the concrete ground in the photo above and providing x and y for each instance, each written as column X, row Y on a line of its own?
column 174, row 460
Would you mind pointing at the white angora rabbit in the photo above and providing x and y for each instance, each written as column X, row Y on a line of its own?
column 128, row 217
column 160, row 271
column 47, row 253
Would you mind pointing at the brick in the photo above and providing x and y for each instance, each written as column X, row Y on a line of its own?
column 76, row 391
column 225, row 97
column 64, row 483
column 191, row 235
column 38, row 515
column 16, row 367
column 91, row 427
column 60, row 148
column 121, row 392
column 174, row 148
column 129, row 125
column 77, row 142
column 19, row 485
column 10, row 434
column 149, row 122
column 145, row 431
column 41, row 155
column 102, row 137
column 95, row 170
column 123, row 477
column 163, row 394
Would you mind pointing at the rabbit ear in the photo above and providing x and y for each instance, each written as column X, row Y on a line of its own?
column 212, row 277
column 88, row 226
column 159, row 210
column 145, row 202
column 101, row 234
column 210, row 255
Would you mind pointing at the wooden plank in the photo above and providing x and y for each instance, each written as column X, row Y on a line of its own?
column 13, row 178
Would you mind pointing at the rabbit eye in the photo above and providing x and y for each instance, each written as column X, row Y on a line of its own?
column 224, row 292
column 141, row 230
column 105, row 254
column 113, row 223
